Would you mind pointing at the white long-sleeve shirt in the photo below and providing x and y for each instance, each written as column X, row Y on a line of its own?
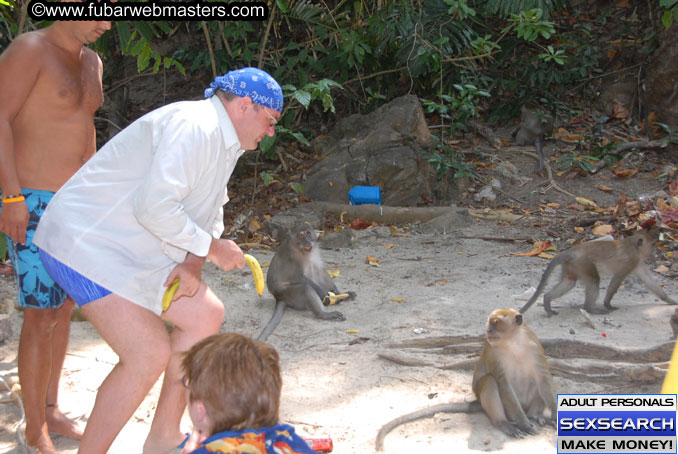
column 145, row 199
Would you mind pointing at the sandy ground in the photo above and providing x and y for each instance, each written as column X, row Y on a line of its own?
column 334, row 382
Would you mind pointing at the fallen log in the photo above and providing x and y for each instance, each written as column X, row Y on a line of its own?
column 405, row 215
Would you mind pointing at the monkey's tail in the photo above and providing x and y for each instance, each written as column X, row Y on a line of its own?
column 557, row 260
column 275, row 319
column 455, row 407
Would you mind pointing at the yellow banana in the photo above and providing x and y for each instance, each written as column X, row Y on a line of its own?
column 258, row 275
column 332, row 299
column 169, row 294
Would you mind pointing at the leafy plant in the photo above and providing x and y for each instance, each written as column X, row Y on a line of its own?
column 312, row 91
column 445, row 160
column 671, row 13
column 671, row 133
column 459, row 110
column 573, row 159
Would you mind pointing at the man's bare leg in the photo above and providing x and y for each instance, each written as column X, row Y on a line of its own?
column 35, row 365
column 140, row 339
column 194, row 318
column 57, row 422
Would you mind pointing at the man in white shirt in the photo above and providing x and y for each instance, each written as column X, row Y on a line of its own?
column 146, row 209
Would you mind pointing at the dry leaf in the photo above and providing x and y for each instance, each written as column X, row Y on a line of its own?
column 624, row 173
column 619, row 112
column 360, row 224
column 661, row 205
column 443, row 282
column 585, row 201
column 540, row 246
column 553, row 205
column 579, row 229
column 372, row 260
column 544, row 255
column 254, row 226
column 334, row 273
column 662, row 269
column 564, row 135
column 398, row 300
column 602, row 230
column 352, row 331
column 605, row 188
column 393, row 229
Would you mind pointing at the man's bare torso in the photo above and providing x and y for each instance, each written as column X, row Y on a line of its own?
column 54, row 130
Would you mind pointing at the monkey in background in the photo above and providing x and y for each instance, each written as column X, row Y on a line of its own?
column 585, row 261
column 535, row 125
column 674, row 323
column 511, row 380
column 297, row 277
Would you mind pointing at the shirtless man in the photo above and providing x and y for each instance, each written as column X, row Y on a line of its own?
column 50, row 88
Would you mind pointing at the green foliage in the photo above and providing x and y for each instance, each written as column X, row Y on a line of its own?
column 588, row 162
column 671, row 13
column 573, row 159
column 445, row 160
column 671, row 133
column 312, row 91
column 458, row 110
column 298, row 188
column 506, row 8
column 135, row 38
column 529, row 25
column 460, row 9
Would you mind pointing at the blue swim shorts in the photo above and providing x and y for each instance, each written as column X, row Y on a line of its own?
column 78, row 287
column 37, row 289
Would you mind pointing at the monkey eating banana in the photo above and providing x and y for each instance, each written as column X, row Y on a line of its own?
column 297, row 277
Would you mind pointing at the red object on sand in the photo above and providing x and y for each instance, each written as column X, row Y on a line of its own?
column 322, row 443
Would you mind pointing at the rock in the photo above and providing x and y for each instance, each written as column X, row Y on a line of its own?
column 338, row 240
column 382, row 149
column 661, row 90
column 5, row 327
column 448, row 223
column 288, row 221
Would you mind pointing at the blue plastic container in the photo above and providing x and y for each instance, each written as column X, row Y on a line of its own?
column 365, row 194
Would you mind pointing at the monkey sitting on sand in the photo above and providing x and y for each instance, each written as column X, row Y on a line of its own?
column 511, row 381
column 585, row 261
column 297, row 277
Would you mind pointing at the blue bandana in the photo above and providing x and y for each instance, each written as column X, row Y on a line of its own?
column 255, row 83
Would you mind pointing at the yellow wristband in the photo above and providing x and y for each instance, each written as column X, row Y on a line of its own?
column 18, row 198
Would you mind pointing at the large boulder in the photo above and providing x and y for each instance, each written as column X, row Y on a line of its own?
column 382, row 149
column 661, row 82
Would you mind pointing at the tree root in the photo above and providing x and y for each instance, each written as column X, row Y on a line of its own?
column 627, row 365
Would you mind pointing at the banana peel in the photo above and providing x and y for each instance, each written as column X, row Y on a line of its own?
column 169, row 294
column 331, row 298
column 259, row 283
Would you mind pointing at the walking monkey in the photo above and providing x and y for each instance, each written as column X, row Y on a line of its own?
column 585, row 261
